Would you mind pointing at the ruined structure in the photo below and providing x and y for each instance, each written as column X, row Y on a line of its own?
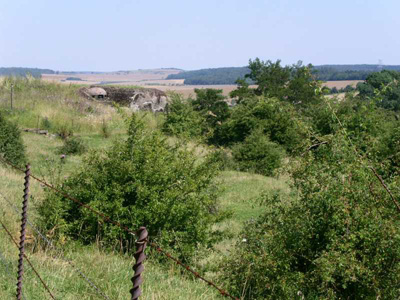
column 136, row 98
column 97, row 93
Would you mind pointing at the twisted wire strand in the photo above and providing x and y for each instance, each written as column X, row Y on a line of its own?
column 152, row 244
column 51, row 245
column 29, row 262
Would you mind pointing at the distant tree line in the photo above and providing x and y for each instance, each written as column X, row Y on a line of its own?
column 24, row 71
column 212, row 76
column 73, row 79
column 323, row 72
column 331, row 74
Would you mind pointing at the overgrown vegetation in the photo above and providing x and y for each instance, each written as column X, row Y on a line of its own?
column 336, row 238
column 330, row 239
column 330, row 231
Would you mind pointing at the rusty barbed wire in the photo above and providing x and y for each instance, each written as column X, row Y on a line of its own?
column 23, row 230
column 51, row 245
column 152, row 244
column 29, row 262
column 196, row 274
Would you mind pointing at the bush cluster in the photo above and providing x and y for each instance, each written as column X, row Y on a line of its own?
column 141, row 182
column 335, row 239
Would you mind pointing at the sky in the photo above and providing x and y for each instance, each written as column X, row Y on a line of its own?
column 104, row 35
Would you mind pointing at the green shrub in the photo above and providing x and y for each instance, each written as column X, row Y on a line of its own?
column 277, row 119
column 141, row 182
column 73, row 145
column 11, row 144
column 258, row 154
column 338, row 238
column 181, row 119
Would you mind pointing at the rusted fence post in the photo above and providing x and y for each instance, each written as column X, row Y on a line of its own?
column 137, row 279
column 23, row 229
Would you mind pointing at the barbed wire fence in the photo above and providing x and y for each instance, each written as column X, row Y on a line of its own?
column 142, row 241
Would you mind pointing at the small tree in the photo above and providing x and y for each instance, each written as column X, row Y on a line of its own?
column 11, row 144
column 211, row 103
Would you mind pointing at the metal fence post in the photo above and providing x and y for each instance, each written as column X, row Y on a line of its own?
column 23, row 229
column 137, row 279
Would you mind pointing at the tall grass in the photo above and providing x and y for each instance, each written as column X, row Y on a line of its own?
column 55, row 107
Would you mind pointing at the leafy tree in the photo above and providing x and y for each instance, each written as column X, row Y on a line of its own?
column 303, row 88
column 385, row 86
column 270, row 78
column 295, row 84
column 210, row 103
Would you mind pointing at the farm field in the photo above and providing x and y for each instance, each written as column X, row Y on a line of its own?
column 339, row 84
column 156, row 79
column 139, row 77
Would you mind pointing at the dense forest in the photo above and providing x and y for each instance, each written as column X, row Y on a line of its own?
column 323, row 72
column 24, row 71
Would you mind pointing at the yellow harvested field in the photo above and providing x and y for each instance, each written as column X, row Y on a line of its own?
column 146, row 78
column 139, row 77
column 341, row 83
column 187, row 90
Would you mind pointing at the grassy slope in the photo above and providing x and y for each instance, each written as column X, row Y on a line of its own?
column 110, row 271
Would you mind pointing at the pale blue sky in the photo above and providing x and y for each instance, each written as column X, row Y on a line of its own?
column 100, row 35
